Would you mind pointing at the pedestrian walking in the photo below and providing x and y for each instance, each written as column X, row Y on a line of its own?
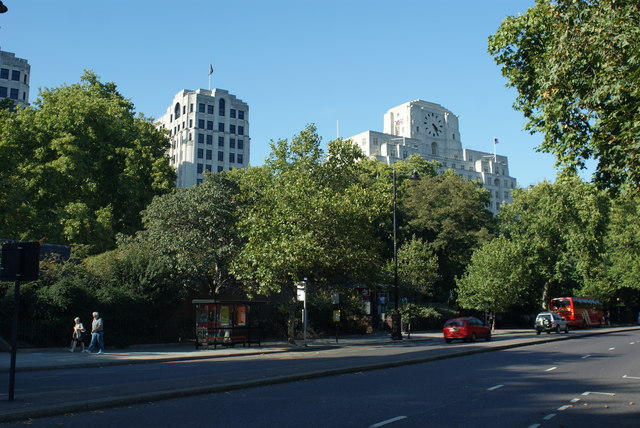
column 97, row 334
column 78, row 335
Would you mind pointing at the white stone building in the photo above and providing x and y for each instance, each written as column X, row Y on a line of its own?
column 209, row 132
column 14, row 78
column 432, row 131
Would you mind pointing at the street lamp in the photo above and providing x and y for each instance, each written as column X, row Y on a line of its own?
column 396, row 320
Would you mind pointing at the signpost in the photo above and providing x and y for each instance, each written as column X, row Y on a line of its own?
column 301, row 289
column 20, row 262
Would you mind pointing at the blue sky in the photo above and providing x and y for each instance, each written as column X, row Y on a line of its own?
column 294, row 62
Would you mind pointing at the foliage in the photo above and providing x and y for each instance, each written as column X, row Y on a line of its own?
column 496, row 279
column 559, row 228
column 450, row 215
column 193, row 232
column 305, row 215
column 576, row 66
column 79, row 167
column 417, row 267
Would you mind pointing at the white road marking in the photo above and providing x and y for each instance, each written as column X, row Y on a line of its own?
column 632, row 343
column 534, row 426
column 586, row 356
column 550, row 369
column 630, row 377
column 611, row 349
column 599, row 393
column 575, row 400
column 388, row 421
column 493, row 388
column 549, row 416
column 565, row 407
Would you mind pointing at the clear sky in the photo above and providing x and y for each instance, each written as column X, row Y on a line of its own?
column 293, row 61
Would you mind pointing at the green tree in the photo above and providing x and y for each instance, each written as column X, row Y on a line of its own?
column 449, row 214
column 417, row 267
column 306, row 215
column 560, row 229
column 576, row 67
column 193, row 230
column 79, row 166
column 497, row 279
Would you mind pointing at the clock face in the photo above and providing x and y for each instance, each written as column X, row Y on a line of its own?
column 434, row 124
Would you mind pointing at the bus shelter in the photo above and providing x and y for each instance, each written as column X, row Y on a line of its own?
column 227, row 322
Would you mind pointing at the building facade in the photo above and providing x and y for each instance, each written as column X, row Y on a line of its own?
column 14, row 78
column 432, row 131
column 209, row 131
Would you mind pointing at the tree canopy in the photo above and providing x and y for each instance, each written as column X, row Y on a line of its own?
column 79, row 166
column 576, row 67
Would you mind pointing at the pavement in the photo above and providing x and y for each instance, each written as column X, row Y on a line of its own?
column 61, row 359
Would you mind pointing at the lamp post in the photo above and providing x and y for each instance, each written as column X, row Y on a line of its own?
column 396, row 319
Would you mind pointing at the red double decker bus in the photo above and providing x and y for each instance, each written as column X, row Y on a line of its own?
column 579, row 311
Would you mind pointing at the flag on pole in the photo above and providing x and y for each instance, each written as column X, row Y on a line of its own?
column 495, row 141
column 210, row 69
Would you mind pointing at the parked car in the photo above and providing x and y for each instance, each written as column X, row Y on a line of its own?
column 549, row 321
column 467, row 329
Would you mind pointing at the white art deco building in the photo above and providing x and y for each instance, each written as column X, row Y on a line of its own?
column 14, row 78
column 209, row 132
column 432, row 131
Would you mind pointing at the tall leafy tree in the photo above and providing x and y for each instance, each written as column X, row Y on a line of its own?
column 193, row 231
column 449, row 214
column 306, row 215
column 576, row 67
column 79, row 166
column 497, row 279
column 560, row 229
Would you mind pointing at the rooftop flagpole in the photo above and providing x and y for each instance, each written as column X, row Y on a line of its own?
column 210, row 73
column 495, row 154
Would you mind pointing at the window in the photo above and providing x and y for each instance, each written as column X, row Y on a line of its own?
column 14, row 94
column 190, row 123
column 3, row 92
column 210, row 125
column 208, row 167
column 241, row 114
column 201, row 138
column 201, row 108
column 201, row 123
column 199, row 181
column 209, row 108
column 184, row 109
column 232, row 113
column 210, row 139
column 240, row 130
column 221, row 156
column 209, row 154
column 4, row 73
column 506, row 195
column 200, row 153
column 232, row 158
column 434, row 149
column 220, row 141
column 221, row 107
column 232, row 129
column 240, row 144
column 15, row 75
column 221, row 127
column 176, row 111
column 220, row 169
column 199, row 168
column 191, row 108
column 232, row 143
column 239, row 157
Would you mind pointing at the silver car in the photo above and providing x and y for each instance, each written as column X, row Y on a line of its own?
column 549, row 321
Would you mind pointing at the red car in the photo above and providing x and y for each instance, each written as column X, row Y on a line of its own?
column 467, row 329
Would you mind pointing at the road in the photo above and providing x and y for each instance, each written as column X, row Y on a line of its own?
column 586, row 382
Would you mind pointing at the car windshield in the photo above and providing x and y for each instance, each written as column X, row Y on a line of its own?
column 454, row 323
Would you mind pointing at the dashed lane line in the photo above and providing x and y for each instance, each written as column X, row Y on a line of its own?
column 550, row 416
column 585, row 356
column 493, row 388
column 550, row 369
column 388, row 421
column 630, row 377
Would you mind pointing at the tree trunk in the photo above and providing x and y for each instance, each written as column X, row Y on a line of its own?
column 291, row 322
column 546, row 292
